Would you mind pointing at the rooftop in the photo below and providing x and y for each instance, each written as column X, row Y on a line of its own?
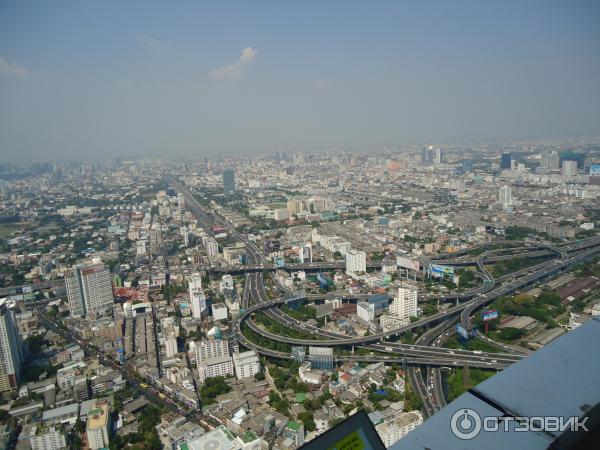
column 293, row 425
column 98, row 418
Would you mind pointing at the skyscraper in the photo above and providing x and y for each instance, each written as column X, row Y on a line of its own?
column 437, row 156
column 11, row 352
column 89, row 290
column 505, row 196
column 551, row 160
column 197, row 297
column 425, row 155
column 356, row 261
column 569, row 168
column 506, row 161
column 228, row 182
column 405, row 305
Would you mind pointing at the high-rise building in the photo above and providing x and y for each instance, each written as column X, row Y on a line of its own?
column 228, row 182
column 210, row 348
column 405, row 305
column 197, row 297
column 505, row 196
column 506, row 161
column 321, row 358
column 11, row 349
column 356, row 261
column 425, row 155
column 365, row 311
column 212, row 247
column 219, row 366
column 437, row 156
column 246, row 364
column 295, row 205
column 305, row 254
column 551, row 160
column 569, row 168
column 89, row 291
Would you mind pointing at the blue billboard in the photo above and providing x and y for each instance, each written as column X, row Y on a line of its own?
column 595, row 170
column 440, row 271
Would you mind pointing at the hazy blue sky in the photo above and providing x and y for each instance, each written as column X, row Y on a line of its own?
column 89, row 78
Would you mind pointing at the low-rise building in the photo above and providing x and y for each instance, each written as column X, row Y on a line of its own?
column 393, row 430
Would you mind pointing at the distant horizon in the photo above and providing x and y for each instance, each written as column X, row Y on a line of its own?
column 81, row 79
column 328, row 148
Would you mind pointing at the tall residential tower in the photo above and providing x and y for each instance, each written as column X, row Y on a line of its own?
column 89, row 290
column 11, row 352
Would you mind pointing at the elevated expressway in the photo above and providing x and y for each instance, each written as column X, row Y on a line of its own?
column 422, row 353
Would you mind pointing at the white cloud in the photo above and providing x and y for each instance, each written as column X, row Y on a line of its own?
column 235, row 70
column 149, row 42
column 322, row 84
column 12, row 70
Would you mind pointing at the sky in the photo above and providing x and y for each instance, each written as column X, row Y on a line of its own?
column 94, row 79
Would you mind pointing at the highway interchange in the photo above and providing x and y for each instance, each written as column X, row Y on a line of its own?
column 427, row 354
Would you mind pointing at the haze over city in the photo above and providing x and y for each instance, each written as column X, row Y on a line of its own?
column 82, row 79
column 299, row 225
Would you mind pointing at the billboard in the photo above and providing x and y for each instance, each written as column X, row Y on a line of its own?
column 439, row 271
column 407, row 263
column 595, row 170
column 489, row 314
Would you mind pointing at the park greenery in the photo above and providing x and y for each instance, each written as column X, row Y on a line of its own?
column 512, row 265
column 456, row 385
column 146, row 437
column 213, row 387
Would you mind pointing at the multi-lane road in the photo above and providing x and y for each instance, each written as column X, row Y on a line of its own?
column 428, row 351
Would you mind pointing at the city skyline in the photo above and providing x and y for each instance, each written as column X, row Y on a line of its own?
column 140, row 79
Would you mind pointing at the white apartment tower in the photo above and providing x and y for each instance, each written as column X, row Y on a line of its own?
column 365, row 311
column 356, row 261
column 89, row 291
column 405, row 305
column 437, row 156
column 569, row 168
column 220, row 366
column 212, row 358
column 197, row 297
column 11, row 352
column 246, row 364
column 210, row 348
column 212, row 247
column 505, row 196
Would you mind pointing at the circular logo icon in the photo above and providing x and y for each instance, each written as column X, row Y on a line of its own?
column 465, row 424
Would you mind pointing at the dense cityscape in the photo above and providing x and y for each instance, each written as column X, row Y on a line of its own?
column 268, row 225
column 254, row 302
